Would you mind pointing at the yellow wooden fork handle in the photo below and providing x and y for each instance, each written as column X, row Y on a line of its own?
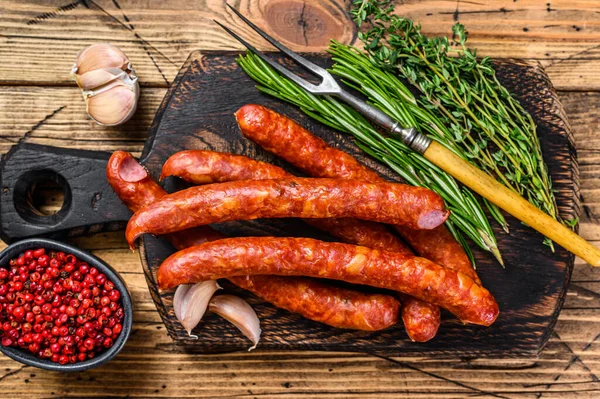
column 511, row 202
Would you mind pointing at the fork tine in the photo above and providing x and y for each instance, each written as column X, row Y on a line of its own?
column 289, row 74
column 314, row 68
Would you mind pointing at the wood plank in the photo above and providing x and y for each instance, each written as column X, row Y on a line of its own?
column 568, row 367
column 56, row 116
column 39, row 43
column 270, row 374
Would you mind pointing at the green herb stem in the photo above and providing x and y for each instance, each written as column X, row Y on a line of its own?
column 466, row 217
column 485, row 123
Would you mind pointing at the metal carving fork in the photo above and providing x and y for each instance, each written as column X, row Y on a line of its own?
column 466, row 173
column 411, row 137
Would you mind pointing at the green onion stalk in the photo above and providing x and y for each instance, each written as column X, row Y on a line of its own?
column 467, row 217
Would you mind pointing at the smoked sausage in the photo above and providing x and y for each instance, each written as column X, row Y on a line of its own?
column 201, row 166
column 421, row 320
column 335, row 306
column 288, row 140
column 134, row 186
column 412, row 275
column 314, row 300
column 293, row 197
column 296, row 145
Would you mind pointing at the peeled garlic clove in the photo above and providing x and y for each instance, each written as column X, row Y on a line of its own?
column 179, row 304
column 112, row 104
column 100, row 56
column 239, row 313
column 94, row 79
column 196, row 300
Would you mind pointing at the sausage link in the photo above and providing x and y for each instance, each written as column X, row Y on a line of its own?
column 131, row 181
column 356, row 310
column 134, row 186
column 295, row 197
column 421, row 319
column 414, row 276
column 285, row 138
column 200, row 167
column 339, row 307
column 291, row 142
column 288, row 140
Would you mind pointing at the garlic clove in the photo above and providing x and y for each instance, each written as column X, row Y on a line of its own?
column 112, row 104
column 196, row 302
column 179, row 299
column 99, row 77
column 100, row 56
column 239, row 313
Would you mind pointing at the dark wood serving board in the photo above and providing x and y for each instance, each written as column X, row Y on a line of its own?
column 197, row 113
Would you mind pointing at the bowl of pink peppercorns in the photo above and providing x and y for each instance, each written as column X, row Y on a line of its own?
column 61, row 308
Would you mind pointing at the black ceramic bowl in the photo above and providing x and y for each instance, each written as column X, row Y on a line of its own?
column 26, row 357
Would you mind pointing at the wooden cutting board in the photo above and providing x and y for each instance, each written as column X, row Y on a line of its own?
column 197, row 113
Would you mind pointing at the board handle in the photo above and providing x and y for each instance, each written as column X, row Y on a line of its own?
column 511, row 202
column 89, row 206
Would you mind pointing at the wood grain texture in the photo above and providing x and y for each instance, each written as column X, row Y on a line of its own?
column 159, row 35
column 56, row 116
column 197, row 113
column 151, row 365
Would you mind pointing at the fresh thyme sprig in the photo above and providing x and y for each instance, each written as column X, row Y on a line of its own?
column 466, row 216
column 485, row 122
column 386, row 92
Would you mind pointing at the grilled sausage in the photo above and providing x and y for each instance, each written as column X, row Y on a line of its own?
column 294, row 197
column 414, row 276
column 337, row 307
column 286, row 139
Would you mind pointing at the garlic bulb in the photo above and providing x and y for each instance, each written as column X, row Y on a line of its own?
column 108, row 83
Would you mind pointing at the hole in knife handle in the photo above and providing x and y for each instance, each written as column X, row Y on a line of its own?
column 42, row 197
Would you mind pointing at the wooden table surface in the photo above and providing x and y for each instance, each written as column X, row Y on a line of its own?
column 39, row 103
